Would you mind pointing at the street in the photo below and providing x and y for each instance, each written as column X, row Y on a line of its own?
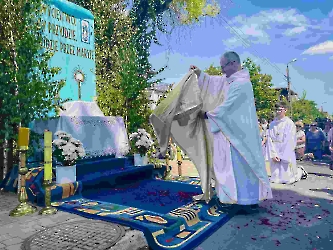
column 298, row 216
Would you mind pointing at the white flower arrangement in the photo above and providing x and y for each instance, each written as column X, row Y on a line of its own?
column 141, row 141
column 67, row 149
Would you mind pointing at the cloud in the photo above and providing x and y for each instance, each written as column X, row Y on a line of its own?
column 322, row 48
column 294, row 31
column 287, row 27
column 256, row 28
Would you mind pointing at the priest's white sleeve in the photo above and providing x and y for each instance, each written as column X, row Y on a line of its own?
column 235, row 95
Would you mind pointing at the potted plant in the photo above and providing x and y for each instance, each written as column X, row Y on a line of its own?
column 141, row 142
column 67, row 151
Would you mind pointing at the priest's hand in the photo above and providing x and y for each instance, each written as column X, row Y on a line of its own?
column 196, row 70
column 276, row 159
column 202, row 114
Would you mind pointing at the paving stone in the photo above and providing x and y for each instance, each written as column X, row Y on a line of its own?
column 14, row 247
column 12, row 241
column 2, row 245
column 3, row 235
column 132, row 240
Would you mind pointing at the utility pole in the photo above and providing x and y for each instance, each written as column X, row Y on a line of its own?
column 289, row 87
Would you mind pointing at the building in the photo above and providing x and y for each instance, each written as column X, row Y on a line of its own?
column 157, row 91
column 284, row 92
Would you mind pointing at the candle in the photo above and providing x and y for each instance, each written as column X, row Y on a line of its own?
column 47, row 155
column 23, row 138
column 179, row 154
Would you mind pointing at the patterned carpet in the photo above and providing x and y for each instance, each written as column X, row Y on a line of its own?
column 163, row 210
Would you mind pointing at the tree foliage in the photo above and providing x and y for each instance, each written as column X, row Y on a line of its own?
column 265, row 96
column 305, row 110
column 213, row 71
column 24, row 68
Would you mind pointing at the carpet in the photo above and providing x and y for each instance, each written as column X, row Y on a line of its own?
column 162, row 210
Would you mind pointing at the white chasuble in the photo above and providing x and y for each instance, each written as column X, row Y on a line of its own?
column 239, row 166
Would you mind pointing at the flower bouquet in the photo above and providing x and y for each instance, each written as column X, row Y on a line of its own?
column 67, row 149
column 141, row 142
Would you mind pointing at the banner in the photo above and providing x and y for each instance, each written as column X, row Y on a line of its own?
column 68, row 32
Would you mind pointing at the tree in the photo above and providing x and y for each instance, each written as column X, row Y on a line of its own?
column 27, row 91
column 147, row 18
column 213, row 71
column 305, row 110
column 265, row 97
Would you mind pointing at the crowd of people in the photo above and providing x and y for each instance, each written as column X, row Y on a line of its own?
column 313, row 141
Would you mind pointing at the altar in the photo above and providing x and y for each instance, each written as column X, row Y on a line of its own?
column 100, row 135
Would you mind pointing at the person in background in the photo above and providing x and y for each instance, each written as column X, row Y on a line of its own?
column 315, row 141
column 330, row 133
column 331, row 149
column 281, row 146
column 306, row 128
column 300, row 144
column 327, row 128
column 263, row 137
column 264, row 124
column 172, row 150
column 330, row 141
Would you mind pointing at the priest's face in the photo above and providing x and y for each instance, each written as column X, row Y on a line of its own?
column 228, row 67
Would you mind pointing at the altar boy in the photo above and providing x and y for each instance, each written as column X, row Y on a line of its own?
column 281, row 148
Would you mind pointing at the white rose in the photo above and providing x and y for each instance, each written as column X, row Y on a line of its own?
column 59, row 142
column 141, row 130
column 68, row 148
column 133, row 135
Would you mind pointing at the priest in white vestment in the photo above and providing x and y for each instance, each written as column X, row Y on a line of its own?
column 281, row 148
column 238, row 161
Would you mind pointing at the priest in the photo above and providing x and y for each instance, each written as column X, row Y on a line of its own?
column 239, row 164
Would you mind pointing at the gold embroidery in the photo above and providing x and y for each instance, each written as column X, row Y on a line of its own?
column 183, row 235
column 190, row 215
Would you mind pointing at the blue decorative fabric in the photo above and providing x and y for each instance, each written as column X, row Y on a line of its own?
column 34, row 185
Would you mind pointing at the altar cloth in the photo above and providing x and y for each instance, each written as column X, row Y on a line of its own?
column 99, row 134
column 81, row 108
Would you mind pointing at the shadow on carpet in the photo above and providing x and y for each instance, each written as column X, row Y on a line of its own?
column 167, row 216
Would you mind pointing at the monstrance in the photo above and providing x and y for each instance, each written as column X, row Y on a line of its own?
column 80, row 77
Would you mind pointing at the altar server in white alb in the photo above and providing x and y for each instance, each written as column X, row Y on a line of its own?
column 239, row 164
column 281, row 148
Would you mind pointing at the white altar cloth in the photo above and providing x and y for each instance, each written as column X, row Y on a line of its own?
column 99, row 134
column 81, row 108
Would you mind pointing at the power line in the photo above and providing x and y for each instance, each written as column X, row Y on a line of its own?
column 247, row 44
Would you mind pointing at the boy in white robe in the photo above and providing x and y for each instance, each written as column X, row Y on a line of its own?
column 281, row 148
column 239, row 165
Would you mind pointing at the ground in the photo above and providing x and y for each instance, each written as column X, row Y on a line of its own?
column 299, row 216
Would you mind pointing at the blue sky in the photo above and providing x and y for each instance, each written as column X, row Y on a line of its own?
column 276, row 30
